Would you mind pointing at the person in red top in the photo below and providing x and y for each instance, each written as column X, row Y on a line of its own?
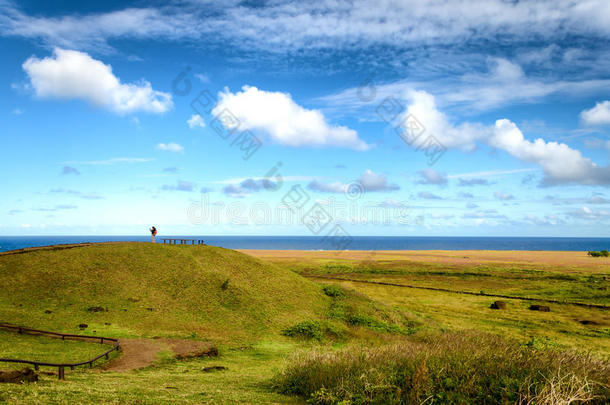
column 153, row 232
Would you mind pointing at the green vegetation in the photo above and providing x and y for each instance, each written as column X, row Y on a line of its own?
column 603, row 253
column 168, row 382
column 429, row 311
column 155, row 290
column 22, row 346
column 388, row 344
column 333, row 291
column 449, row 369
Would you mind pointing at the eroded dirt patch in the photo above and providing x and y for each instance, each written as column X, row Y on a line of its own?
column 140, row 353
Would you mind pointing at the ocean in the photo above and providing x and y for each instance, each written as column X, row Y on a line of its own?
column 355, row 243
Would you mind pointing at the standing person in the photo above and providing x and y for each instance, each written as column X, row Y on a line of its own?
column 153, row 232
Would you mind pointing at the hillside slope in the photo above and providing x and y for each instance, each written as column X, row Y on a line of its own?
column 154, row 290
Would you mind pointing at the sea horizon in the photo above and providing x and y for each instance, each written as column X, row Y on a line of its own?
column 316, row 243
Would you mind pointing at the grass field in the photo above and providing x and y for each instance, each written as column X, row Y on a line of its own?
column 562, row 276
column 272, row 325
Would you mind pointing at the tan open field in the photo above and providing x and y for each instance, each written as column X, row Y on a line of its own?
column 563, row 260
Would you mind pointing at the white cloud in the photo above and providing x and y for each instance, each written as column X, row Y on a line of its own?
column 502, row 83
column 489, row 173
column 431, row 176
column 76, row 75
column 473, row 182
column 248, row 186
column 368, row 180
column 559, row 162
column 181, row 185
column 587, row 213
column 170, row 147
column 503, row 196
column 428, row 196
column 196, row 121
column 279, row 25
column 598, row 115
column 372, row 181
column 275, row 114
column 335, row 187
column 202, row 78
column 422, row 105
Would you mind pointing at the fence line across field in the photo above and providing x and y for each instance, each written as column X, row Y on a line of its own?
column 61, row 366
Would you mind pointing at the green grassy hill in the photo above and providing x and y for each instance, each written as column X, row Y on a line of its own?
column 155, row 290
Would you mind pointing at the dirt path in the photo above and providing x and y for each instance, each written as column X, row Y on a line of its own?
column 140, row 353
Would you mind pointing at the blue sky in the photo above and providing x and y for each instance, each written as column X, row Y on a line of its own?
column 385, row 118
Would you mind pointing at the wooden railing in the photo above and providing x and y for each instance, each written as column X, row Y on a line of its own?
column 61, row 366
column 178, row 241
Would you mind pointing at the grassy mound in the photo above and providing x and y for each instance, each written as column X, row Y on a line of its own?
column 140, row 289
column 455, row 368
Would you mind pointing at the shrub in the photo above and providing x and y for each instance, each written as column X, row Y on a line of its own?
column 603, row 253
column 452, row 368
column 316, row 330
column 333, row 291
column 306, row 330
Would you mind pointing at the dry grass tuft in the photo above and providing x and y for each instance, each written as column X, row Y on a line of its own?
column 448, row 368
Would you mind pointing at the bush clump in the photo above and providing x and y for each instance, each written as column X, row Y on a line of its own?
column 456, row 368
column 333, row 291
column 317, row 330
column 603, row 253
column 305, row 330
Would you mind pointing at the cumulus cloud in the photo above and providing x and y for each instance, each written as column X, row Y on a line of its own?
column 69, row 74
column 560, row 163
column 372, row 181
column 368, row 180
column 277, row 116
column 170, row 147
column 598, row 115
column 422, row 105
column 196, row 121
column 431, row 176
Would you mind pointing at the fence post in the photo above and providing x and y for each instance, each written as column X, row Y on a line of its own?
column 61, row 373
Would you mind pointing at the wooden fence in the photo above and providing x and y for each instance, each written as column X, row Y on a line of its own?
column 61, row 366
column 173, row 241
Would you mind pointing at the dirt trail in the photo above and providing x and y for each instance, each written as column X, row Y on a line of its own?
column 140, row 353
